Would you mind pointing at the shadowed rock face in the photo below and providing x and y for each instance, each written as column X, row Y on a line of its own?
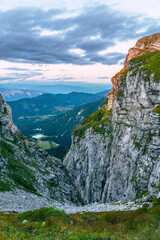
column 121, row 160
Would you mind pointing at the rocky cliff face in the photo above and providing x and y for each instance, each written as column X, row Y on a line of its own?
column 143, row 46
column 115, row 153
column 26, row 168
column 7, row 128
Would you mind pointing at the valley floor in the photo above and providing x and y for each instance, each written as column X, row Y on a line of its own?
column 22, row 201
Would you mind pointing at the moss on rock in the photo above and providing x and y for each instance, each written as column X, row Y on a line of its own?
column 157, row 110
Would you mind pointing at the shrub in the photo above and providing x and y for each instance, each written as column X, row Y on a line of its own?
column 4, row 186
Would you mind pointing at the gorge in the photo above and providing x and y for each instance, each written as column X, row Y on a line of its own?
column 115, row 152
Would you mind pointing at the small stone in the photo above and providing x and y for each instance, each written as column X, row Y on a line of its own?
column 25, row 221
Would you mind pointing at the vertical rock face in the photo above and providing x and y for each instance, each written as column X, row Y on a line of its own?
column 7, row 128
column 87, row 162
column 135, row 150
column 116, row 156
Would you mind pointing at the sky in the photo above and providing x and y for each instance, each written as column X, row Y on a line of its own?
column 55, row 41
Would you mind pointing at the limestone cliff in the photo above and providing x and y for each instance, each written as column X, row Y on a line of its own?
column 24, row 167
column 115, row 153
column 143, row 46
column 7, row 128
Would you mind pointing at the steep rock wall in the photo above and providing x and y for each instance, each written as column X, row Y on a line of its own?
column 119, row 159
column 7, row 128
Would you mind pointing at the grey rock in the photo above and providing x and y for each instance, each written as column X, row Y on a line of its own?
column 25, row 221
column 125, row 165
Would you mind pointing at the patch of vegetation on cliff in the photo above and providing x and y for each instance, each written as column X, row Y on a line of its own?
column 157, row 110
column 122, row 74
column 4, row 186
column 6, row 148
column 21, row 174
column 5, row 111
column 136, row 143
column 50, row 223
column 133, row 179
column 97, row 121
column 120, row 93
column 151, row 65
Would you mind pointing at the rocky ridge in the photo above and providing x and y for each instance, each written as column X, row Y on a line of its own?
column 144, row 45
column 28, row 170
column 115, row 153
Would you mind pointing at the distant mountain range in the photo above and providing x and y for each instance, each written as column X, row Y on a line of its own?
column 63, row 88
column 16, row 94
column 13, row 93
column 103, row 93
column 49, row 104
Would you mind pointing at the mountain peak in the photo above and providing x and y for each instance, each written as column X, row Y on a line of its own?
column 144, row 45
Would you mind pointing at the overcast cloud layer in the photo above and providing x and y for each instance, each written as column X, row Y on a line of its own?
column 32, row 35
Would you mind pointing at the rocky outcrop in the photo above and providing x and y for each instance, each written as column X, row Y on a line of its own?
column 7, row 128
column 116, row 157
column 144, row 45
column 26, row 168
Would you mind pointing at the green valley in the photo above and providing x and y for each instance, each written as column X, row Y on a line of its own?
column 56, row 128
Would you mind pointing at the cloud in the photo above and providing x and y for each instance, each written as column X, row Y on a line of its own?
column 103, row 77
column 61, row 78
column 16, row 69
column 23, row 69
column 93, row 30
column 20, row 76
